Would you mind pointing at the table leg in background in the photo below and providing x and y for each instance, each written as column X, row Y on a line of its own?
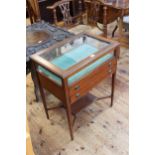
column 105, row 21
column 120, row 28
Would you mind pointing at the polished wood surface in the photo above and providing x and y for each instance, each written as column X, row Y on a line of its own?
column 52, row 87
column 64, row 93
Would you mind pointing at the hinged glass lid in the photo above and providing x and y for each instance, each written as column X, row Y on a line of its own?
column 74, row 51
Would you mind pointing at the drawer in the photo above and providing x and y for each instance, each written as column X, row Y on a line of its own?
column 85, row 84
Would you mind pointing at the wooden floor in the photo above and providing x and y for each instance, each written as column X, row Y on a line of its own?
column 98, row 129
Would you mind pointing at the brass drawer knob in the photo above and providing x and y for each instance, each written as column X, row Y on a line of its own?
column 77, row 95
column 77, row 87
column 110, row 63
column 110, row 71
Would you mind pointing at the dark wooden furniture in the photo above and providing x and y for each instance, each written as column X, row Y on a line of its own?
column 37, row 9
column 122, row 6
column 33, row 10
column 71, row 68
column 69, row 18
column 110, row 10
column 40, row 36
column 93, row 10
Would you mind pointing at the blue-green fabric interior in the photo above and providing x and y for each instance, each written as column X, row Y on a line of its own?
column 73, row 57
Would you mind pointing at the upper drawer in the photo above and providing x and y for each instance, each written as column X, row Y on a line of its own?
column 78, row 75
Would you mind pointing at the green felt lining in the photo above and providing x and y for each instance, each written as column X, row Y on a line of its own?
column 74, row 56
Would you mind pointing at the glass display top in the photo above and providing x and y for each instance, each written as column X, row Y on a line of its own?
column 72, row 52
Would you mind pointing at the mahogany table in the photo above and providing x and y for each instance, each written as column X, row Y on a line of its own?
column 71, row 68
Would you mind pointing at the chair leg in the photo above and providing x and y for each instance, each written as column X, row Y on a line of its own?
column 113, row 32
column 112, row 88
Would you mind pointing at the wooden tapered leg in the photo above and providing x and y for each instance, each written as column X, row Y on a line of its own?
column 38, row 84
column 44, row 100
column 70, row 122
column 35, row 81
column 80, row 10
column 68, row 108
column 120, row 26
column 35, row 87
column 113, row 88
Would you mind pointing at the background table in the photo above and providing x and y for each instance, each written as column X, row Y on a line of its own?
column 108, row 12
column 119, row 6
